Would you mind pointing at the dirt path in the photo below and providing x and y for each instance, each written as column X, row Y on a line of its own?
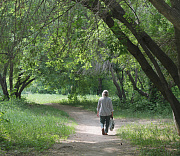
column 88, row 140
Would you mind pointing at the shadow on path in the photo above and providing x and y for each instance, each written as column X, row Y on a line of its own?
column 88, row 139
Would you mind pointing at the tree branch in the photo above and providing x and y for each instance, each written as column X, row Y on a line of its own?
column 172, row 14
column 134, row 85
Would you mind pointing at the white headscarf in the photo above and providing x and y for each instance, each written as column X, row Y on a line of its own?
column 105, row 93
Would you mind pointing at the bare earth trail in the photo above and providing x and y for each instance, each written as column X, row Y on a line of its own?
column 88, row 140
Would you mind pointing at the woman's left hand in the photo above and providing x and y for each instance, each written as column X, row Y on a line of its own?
column 98, row 113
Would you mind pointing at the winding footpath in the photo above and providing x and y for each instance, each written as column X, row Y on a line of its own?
column 88, row 140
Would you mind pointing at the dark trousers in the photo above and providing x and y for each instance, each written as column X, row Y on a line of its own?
column 104, row 120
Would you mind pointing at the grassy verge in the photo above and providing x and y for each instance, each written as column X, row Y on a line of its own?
column 155, row 139
column 29, row 126
column 158, row 139
column 89, row 102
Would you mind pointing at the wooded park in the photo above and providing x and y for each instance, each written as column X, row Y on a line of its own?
column 68, row 52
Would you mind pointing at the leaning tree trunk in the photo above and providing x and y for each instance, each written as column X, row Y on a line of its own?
column 121, row 80
column 147, row 44
column 149, row 47
column 24, row 85
column 171, row 13
column 135, row 86
column 143, row 38
column 21, row 85
column 177, row 32
column 176, row 6
column 119, row 93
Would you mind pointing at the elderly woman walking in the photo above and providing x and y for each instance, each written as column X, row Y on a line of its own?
column 105, row 111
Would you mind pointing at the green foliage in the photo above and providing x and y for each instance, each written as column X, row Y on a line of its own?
column 122, row 109
column 88, row 102
column 153, row 139
column 3, row 132
column 72, row 98
column 33, row 126
column 138, row 106
column 108, row 85
column 145, row 105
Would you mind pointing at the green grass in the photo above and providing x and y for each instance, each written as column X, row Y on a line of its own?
column 153, row 139
column 32, row 126
column 128, row 113
column 158, row 139
column 44, row 98
column 88, row 102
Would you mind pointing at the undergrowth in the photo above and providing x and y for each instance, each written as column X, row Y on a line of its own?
column 31, row 126
column 155, row 139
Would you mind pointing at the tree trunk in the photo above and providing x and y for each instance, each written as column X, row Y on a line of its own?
column 171, row 13
column 119, row 93
column 20, row 85
column 176, row 6
column 177, row 37
column 177, row 126
column 4, row 88
column 152, row 92
column 145, row 41
column 11, row 76
column 100, row 89
column 121, row 80
column 148, row 44
column 3, row 83
column 135, row 86
column 24, row 85
column 17, row 85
